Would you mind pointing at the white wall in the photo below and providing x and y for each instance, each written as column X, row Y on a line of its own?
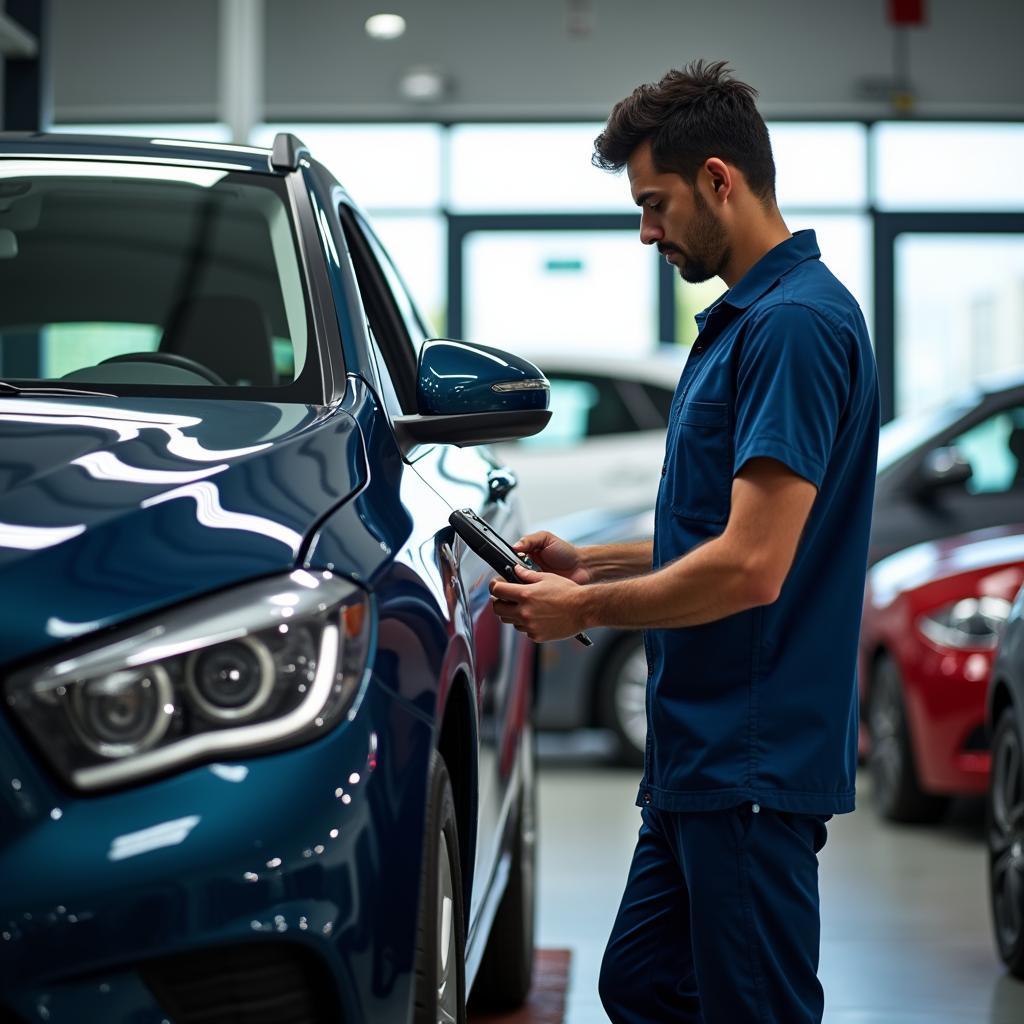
column 130, row 60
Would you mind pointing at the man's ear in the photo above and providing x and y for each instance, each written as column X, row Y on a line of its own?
column 719, row 177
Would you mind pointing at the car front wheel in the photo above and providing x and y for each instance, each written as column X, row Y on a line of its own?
column 897, row 793
column 623, row 697
column 1005, row 836
column 441, row 939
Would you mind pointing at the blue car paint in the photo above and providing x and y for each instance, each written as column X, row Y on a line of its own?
column 454, row 378
column 239, row 487
column 333, row 491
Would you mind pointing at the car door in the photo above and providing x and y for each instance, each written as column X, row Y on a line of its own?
column 992, row 441
column 446, row 477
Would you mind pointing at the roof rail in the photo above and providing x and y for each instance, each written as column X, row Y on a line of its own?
column 288, row 150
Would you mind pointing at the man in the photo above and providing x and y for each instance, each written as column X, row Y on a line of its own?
column 751, row 592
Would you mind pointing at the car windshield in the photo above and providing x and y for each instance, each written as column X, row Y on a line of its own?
column 902, row 435
column 132, row 277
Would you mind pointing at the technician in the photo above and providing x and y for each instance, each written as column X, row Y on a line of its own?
column 751, row 593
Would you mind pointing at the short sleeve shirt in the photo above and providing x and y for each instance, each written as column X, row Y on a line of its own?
column 761, row 706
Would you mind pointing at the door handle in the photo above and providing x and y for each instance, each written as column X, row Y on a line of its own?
column 500, row 483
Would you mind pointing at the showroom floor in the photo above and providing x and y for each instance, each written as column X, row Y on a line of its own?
column 905, row 929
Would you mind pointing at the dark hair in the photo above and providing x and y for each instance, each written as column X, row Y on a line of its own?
column 693, row 113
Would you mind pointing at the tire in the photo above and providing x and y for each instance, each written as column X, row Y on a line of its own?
column 1004, row 832
column 440, row 984
column 622, row 698
column 506, row 970
column 897, row 793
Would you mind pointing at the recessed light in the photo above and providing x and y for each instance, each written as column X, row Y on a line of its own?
column 385, row 26
column 423, row 84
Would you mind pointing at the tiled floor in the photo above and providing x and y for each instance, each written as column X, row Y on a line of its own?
column 905, row 929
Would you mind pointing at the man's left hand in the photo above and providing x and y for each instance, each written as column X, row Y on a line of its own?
column 543, row 606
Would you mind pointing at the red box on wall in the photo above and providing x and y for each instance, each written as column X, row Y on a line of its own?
column 906, row 12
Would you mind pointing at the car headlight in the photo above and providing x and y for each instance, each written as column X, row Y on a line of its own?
column 969, row 623
column 264, row 666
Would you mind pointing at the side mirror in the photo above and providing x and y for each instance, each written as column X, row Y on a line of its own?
column 470, row 394
column 941, row 468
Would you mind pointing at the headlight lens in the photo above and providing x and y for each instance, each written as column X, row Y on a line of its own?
column 972, row 622
column 264, row 666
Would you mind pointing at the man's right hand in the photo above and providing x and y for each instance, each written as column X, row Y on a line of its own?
column 552, row 554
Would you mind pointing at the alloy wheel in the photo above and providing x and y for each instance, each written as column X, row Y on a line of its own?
column 631, row 698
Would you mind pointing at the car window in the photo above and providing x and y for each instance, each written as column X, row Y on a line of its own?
column 387, row 313
column 134, row 276
column 582, row 407
column 995, row 450
column 661, row 400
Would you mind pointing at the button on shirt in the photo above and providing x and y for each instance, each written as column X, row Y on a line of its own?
column 761, row 706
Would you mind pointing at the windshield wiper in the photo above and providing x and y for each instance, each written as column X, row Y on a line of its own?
column 6, row 388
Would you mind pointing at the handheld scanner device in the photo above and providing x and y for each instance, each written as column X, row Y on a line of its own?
column 495, row 550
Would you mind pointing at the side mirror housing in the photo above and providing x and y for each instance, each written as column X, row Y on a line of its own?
column 470, row 394
column 941, row 468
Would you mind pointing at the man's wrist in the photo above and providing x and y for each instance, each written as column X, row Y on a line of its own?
column 588, row 606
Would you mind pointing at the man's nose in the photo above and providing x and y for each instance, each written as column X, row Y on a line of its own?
column 649, row 233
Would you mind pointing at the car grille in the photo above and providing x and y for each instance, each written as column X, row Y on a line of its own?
column 251, row 984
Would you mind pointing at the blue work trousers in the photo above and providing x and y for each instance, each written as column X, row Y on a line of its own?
column 719, row 922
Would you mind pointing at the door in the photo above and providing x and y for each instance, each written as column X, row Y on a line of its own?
column 440, row 478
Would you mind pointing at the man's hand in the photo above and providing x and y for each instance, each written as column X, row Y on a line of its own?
column 554, row 555
column 544, row 606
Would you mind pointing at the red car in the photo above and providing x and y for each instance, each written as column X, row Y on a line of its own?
column 932, row 617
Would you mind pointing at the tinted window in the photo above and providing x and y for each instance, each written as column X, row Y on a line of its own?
column 995, row 450
column 139, row 274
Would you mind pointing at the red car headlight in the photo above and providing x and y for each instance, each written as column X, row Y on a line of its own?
column 970, row 623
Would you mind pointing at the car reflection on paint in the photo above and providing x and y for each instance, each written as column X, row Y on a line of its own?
column 265, row 751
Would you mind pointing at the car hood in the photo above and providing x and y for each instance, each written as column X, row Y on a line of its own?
column 996, row 548
column 110, row 508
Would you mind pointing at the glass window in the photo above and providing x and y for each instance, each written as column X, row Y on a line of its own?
column 583, row 407
column 995, row 450
column 531, row 167
column 148, row 274
column 959, row 313
column 820, row 165
column 383, row 166
column 418, row 246
column 930, row 166
column 537, row 292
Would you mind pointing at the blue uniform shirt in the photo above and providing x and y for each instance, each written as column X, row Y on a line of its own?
column 761, row 706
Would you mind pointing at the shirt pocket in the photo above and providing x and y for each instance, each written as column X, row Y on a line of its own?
column 699, row 464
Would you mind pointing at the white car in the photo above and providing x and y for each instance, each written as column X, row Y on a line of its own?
column 605, row 443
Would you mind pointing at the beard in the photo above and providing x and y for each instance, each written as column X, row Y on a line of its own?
column 707, row 246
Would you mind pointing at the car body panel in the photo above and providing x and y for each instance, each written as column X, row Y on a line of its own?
column 944, row 687
column 136, row 504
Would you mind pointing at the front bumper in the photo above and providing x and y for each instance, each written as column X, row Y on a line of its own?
column 945, row 697
column 313, row 853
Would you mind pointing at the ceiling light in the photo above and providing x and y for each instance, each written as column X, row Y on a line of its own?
column 423, row 85
column 385, row 26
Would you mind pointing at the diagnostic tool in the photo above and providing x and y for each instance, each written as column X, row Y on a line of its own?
column 495, row 550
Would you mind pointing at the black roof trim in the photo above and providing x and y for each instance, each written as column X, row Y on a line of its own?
column 288, row 150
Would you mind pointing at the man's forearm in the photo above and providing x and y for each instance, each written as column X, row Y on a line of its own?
column 616, row 561
column 709, row 583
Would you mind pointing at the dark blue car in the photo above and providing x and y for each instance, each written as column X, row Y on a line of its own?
column 265, row 754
